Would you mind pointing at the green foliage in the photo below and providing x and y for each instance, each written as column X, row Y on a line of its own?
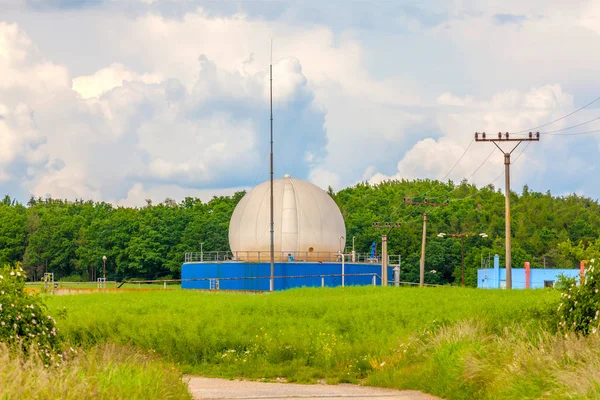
column 24, row 320
column 70, row 238
column 580, row 304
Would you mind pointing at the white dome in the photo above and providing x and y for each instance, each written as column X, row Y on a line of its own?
column 307, row 222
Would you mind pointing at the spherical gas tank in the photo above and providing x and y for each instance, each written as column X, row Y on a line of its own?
column 308, row 225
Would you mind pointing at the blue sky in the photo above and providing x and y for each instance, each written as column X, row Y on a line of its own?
column 127, row 100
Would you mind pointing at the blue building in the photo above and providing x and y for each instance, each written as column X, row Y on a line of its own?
column 495, row 278
column 244, row 275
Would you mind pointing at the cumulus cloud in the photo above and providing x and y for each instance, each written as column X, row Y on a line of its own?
column 22, row 67
column 458, row 118
column 115, row 129
column 21, row 144
column 109, row 78
column 175, row 96
column 138, row 194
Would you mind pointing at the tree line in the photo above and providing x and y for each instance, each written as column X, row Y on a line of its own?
column 69, row 238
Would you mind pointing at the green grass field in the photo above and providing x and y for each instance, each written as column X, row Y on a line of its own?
column 452, row 342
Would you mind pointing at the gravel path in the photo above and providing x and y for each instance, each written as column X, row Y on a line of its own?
column 211, row 388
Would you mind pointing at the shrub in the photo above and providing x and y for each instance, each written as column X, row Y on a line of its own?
column 580, row 305
column 24, row 320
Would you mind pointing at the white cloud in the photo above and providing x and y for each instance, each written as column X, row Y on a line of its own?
column 324, row 179
column 108, row 78
column 21, row 144
column 138, row 194
column 21, row 65
column 182, row 102
column 117, row 130
column 459, row 118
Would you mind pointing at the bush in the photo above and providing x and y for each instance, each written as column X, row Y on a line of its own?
column 580, row 305
column 24, row 320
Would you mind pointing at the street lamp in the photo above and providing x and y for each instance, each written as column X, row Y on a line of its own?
column 462, row 237
column 104, row 266
column 341, row 249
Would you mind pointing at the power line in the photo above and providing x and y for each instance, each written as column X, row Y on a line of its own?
column 498, row 177
column 559, row 119
column 521, row 153
column 571, row 134
column 456, row 163
column 570, row 127
column 481, row 165
column 441, row 181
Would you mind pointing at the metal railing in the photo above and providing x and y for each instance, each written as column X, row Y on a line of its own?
column 214, row 282
column 285, row 256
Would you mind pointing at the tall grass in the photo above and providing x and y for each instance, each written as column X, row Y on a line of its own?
column 101, row 372
column 341, row 334
column 468, row 361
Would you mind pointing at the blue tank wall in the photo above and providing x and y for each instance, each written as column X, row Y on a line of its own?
column 247, row 270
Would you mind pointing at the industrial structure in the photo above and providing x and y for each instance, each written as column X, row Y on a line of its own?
column 523, row 278
column 309, row 246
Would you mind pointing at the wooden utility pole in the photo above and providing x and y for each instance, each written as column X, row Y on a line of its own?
column 425, row 202
column 506, row 138
column 387, row 227
column 462, row 237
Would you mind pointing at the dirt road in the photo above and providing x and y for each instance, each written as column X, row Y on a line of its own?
column 211, row 388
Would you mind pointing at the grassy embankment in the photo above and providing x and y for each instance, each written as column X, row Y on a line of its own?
column 452, row 342
column 101, row 372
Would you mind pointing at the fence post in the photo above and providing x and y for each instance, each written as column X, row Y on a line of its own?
column 374, row 281
column 322, row 281
column 164, row 284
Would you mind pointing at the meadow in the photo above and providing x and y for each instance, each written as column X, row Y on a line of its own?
column 453, row 342
column 105, row 371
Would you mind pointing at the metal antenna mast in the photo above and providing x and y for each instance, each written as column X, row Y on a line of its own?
column 272, row 281
column 506, row 138
column 425, row 202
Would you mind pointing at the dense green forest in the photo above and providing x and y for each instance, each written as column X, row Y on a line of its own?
column 70, row 238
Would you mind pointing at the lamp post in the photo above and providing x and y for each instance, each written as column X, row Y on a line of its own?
column 201, row 252
column 341, row 249
column 104, row 267
column 462, row 237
